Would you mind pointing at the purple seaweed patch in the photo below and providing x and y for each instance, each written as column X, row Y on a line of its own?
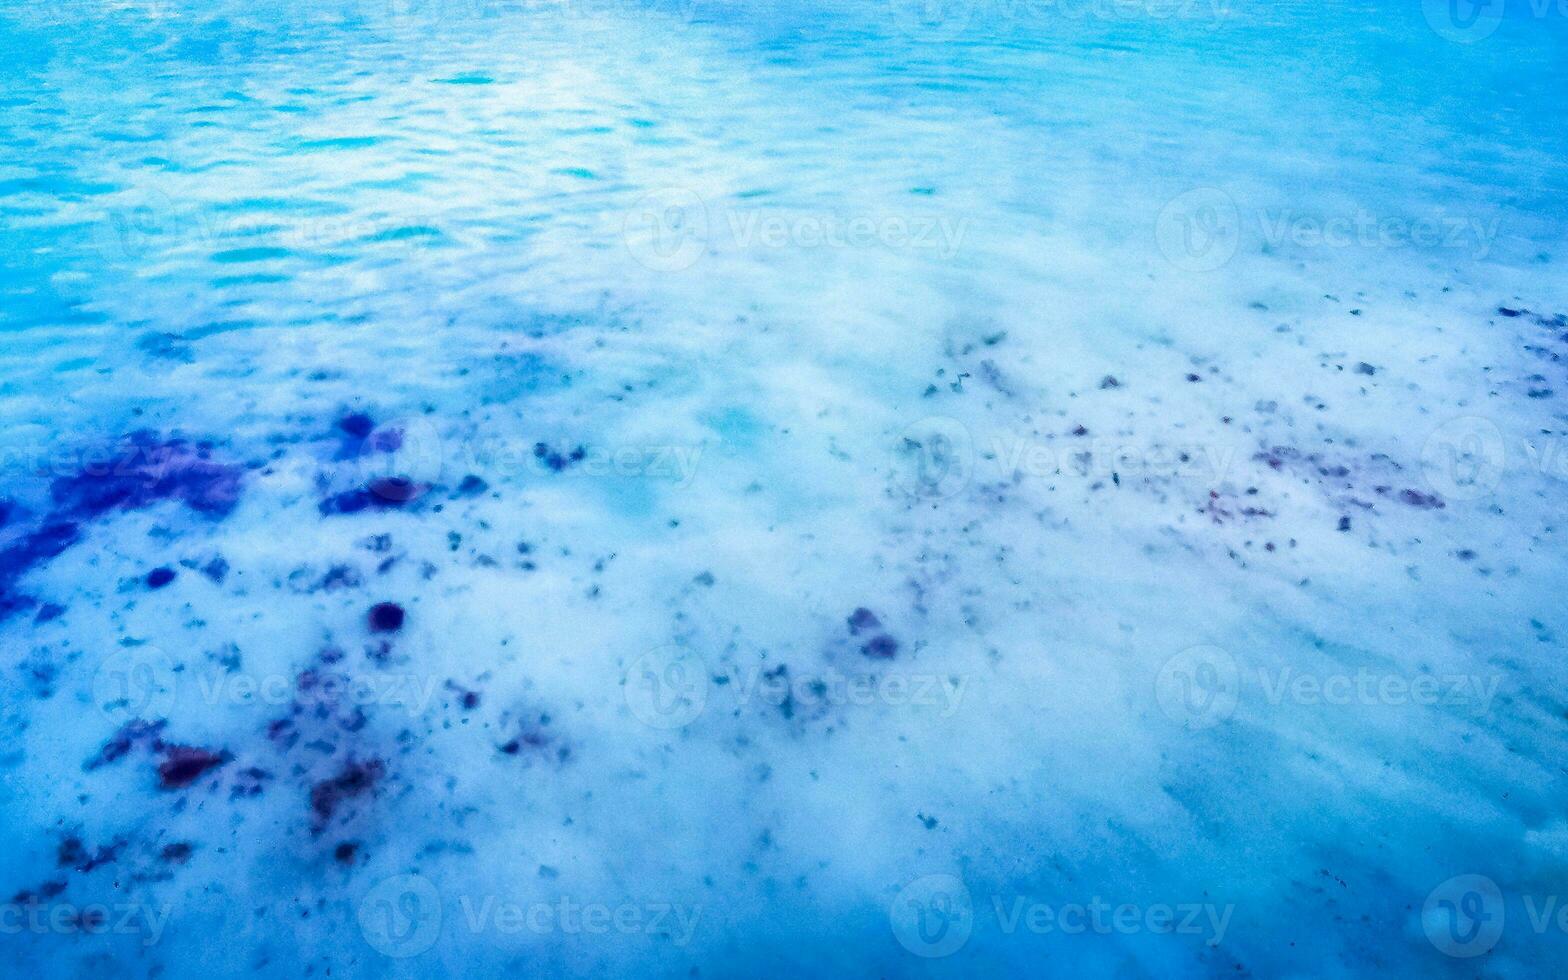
column 356, row 779
column 185, row 764
column 148, row 470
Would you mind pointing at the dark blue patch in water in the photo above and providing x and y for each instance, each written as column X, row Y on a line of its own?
column 148, row 470
column 381, row 493
column 386, row 617
column 556, row 460
column 881, row 647
column 357, row 424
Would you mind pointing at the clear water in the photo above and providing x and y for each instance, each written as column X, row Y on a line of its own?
column 824, row 607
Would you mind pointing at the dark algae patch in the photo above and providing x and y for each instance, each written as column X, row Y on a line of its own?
column 880, row 646
column 555, row 459
column 185, row 764
column 144, row 470
column 150, row 469
column 354, row 780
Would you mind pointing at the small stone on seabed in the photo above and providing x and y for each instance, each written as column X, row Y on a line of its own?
column 386, row 617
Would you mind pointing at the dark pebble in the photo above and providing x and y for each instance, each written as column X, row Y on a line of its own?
column 176, row 853
column 863, row 619
column 386, row 617
column 881, row 647
column 185, row 765
column 1425, row 501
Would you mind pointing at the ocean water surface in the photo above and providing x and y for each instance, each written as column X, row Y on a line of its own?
column 806, row 487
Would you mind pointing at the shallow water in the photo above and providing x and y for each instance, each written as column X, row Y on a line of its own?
column 894, row 488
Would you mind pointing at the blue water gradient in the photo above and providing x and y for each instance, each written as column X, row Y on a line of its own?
column 805, row 487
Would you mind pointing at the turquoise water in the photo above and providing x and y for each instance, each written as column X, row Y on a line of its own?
column 896, row 488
